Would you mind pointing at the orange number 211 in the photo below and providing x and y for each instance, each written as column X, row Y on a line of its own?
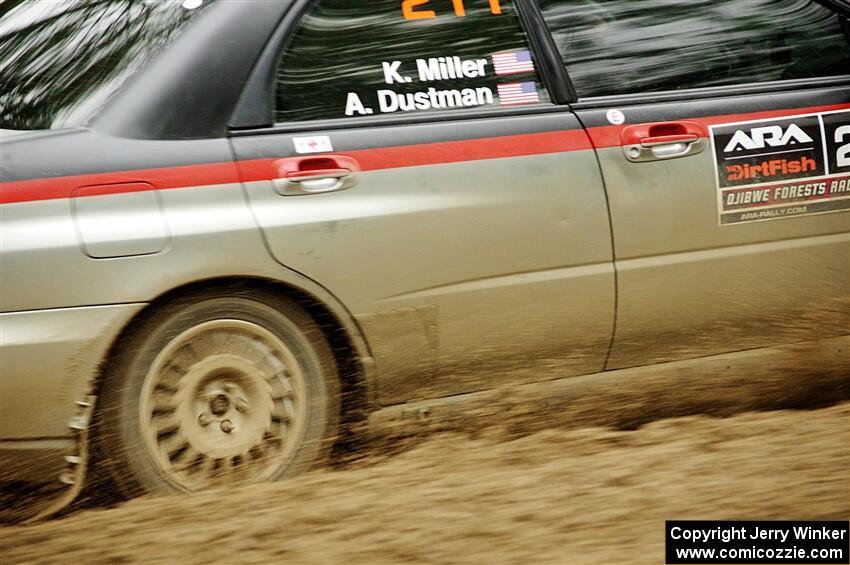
column 410, row 13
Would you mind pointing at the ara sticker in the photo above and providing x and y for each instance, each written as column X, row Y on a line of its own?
column 782, row 167
column 314, row 144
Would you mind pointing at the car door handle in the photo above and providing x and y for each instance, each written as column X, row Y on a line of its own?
column 655, row 141
column 663, row 140
column 314, row 182
column 300, row 176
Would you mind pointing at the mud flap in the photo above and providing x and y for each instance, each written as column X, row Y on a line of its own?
column 74, row 474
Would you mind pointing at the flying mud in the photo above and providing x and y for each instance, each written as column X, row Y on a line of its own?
column 587, row 474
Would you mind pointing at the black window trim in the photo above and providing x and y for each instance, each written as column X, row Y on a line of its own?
column 552, row 70
column 772, row 87
column 400, row 120
column 255, row 108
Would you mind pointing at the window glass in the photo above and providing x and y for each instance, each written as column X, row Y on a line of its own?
column 351, row 58
column 626, row 46
column 61, row 60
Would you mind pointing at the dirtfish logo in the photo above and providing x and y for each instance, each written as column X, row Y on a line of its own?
column 761, row 137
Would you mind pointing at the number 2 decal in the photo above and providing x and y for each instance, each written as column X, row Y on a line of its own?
column 843, row 151
column 410, row 13
column 407, row 9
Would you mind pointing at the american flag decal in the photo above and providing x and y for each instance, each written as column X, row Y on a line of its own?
column 518, row 93
column 512, row 62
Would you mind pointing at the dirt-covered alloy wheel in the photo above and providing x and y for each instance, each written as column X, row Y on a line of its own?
column 221, row 389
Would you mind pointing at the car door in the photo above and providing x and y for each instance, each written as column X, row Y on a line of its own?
column 418, row 170
column 722, row 131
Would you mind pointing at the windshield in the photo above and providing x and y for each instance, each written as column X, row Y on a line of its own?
column 61, row 60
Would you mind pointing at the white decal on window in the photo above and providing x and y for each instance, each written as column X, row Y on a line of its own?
column 353, row 105
column 446, row 68
column 432, row 99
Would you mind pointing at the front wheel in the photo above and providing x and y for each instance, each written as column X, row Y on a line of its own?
column 218, row 390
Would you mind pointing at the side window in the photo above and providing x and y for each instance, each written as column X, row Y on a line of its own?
column 350, row 58
column 628, row 46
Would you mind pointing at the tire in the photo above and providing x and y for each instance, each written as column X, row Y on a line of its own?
column 221, row 389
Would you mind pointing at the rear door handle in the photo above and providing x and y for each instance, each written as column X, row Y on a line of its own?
column 300, row 176
column 663, row 140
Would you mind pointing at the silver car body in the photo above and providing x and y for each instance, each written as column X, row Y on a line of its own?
column 467, row 254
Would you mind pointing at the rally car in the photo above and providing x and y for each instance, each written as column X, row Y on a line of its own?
column 231, row 229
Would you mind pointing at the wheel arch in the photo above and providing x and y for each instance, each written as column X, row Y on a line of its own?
column 348, row 344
